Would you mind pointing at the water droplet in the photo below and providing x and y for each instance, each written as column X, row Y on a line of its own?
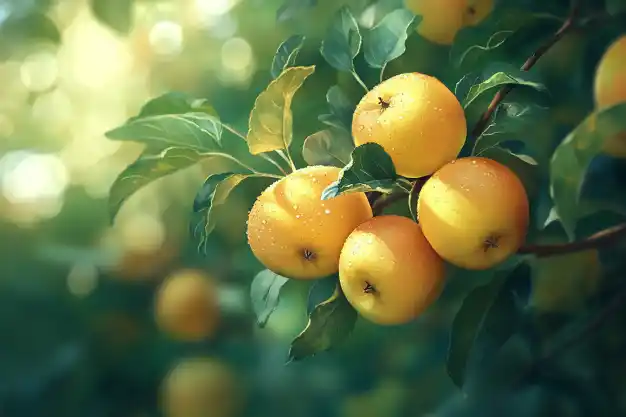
column 264, row 221
column 295, row 207
column 327, row 211
column 361, row 128
column 298, row 216
column 370, row 240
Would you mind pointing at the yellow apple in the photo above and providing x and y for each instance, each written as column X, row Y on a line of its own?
column 474, row 212
column 610, row 89
column 416, row 119
column 294, row 233
column 186, row 305
column 388, row 271
column 476, row 11
column 442, row 19
column 201, row 387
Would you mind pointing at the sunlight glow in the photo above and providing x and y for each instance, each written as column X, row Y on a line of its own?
column 82, row 279
column 28, row 177
column 39, row 71
column 166, row 38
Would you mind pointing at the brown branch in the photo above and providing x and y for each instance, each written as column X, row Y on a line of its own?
column 603, row 238
column 568, row 25
column 386, row 200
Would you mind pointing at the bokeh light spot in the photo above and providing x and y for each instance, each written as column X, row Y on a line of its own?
column 39, row 71
column 166, row 38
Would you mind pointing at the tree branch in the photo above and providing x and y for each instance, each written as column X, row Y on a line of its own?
column 568, row 25
column 603, row 238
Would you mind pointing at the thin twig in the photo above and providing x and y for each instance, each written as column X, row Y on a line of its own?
column 603, row 238
column 386, row 200
column 568, row 25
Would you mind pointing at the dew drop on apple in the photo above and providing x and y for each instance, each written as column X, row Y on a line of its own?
column 327, row 211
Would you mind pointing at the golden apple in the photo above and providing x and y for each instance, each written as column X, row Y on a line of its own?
column 201, row 387
column 610, row 89
column 388, row 271
column 442, row 19
column 474, row 212
column 187, row 306
column 296, row 234
column 416, row 119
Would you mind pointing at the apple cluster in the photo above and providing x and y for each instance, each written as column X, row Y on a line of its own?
column 472, row 212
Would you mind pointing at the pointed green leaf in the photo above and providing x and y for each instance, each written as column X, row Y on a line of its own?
column 287, row 54
column 511, row 122
column 265, row 294
column 342, row 41
column 341, row 109
column 146, row 169
column 116, row 14
column 330, row 323
column 328, row 147
column 499, row 79
column 271, row 120
column 293, row 8
column 198, row 131
column 572, row 158
column 386, row 41
column 213, row 193
column 487, row 318
column 370, row 169
column 174, row 102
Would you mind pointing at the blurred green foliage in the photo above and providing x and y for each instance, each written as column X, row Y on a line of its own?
column 77, row 290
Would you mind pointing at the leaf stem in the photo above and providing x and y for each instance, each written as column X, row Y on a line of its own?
column 243, row 165
column 287, row 158
column 565, row 28
column 360, row 81
column 264, row 156
column 382, row 72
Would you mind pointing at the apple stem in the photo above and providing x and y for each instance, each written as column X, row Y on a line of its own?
column 383, row 104
column 369, row 288
column 490, row 243
column 308, row 255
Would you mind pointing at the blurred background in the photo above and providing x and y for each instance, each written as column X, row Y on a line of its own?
column 81, row 297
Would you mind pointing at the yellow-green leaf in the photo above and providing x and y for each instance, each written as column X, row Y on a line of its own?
column 271, row 121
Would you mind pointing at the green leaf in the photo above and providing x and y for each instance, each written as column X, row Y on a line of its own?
column 572, row 158
column 328, row 147
column 488, row 317
column 293, row 8
column 342, row 41
column 386, row 41
column 271, row 121
column 146, row 169
column 615, row 7
column 198, row 131
column 20, row 28
column 214, row 192
column 174, row 102
column 473, row 43
column 499, row 79
column 287, row 54
column 265, row 294
column 370, row 169
column 341, row 109
column 116, row 14
column 511, row 122
column 330, row 323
